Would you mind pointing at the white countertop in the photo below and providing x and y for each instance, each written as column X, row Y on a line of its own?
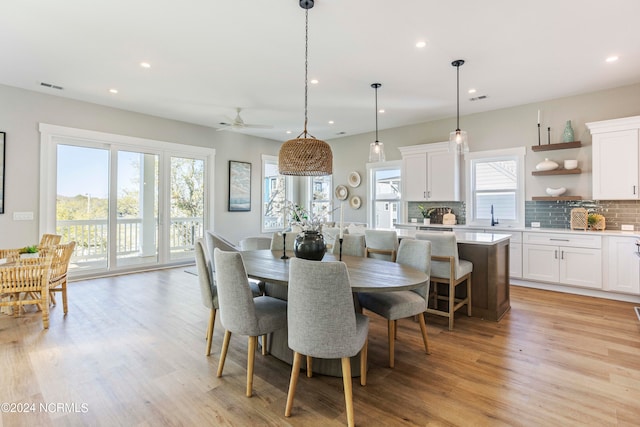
column 463, row 236
column 505, row 229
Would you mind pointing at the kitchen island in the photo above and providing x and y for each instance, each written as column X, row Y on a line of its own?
column 489, row 253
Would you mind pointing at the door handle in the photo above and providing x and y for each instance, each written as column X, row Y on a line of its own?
column 634, row 189
column 561, row 254
column 555, row 254
column 560, row 240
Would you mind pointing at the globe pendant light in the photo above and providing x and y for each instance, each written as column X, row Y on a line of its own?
column 458, row 138
column 376, row 149
column 306, row 156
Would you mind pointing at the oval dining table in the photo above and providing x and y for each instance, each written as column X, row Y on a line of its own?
column 365, row 275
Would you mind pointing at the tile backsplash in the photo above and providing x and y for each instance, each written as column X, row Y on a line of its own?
column 441, row 208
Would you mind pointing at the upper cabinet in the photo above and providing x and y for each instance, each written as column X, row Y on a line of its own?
column 430, row 173
column 616, row 159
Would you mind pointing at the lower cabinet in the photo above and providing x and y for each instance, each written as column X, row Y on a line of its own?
column 515, row 259
column 622, row 269
column 562, row 258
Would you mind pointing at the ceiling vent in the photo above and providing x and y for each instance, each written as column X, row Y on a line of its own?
column 49, row 85
column 478, row 98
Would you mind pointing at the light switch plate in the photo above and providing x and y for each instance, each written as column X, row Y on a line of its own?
column 626, row 227
column 23, row 216
column 535, row 224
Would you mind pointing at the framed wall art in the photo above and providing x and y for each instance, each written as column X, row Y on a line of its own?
column 2, row 173
column 239, row 186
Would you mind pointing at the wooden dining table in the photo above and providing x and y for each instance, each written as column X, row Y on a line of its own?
column 365, row 274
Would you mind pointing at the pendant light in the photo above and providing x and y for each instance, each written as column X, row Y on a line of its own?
column 306, row 156
column 376, row 149
column 458, row 138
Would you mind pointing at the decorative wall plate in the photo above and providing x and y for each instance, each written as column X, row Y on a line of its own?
column 354, row 179
column 342, row 192
column 355, row 202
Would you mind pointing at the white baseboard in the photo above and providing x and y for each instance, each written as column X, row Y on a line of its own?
column 576, row 291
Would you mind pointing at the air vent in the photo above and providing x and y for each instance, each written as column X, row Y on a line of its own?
column 341, row 133
column 478, row 98
column 49, row 85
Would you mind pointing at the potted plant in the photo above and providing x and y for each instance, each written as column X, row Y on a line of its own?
column 596, row 221
column 426, row 214
column 29, row 251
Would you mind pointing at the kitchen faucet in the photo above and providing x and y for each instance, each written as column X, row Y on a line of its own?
column 493, row 221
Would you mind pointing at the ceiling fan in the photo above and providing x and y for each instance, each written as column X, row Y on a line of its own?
column 238, row 123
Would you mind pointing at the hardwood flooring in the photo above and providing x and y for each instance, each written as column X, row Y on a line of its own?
column 131, row 352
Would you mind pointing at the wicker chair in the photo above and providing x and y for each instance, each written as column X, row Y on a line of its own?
column 9, row 254
column 49, row 240
column 59, row 266
column 30, row 278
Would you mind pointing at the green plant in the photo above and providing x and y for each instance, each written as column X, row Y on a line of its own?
column 593, row 219
column 29, row 249
column 426, row 213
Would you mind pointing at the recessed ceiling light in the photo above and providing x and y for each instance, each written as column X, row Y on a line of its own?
column 330, row 122
column 381, row 110
column 314, row 82
column 612, row 59
column 145, row 65
column 472, row 91
column 113, row 90
column 288, row 131
column 421, row 44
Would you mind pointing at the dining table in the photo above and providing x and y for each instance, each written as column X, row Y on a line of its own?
column 365, row 275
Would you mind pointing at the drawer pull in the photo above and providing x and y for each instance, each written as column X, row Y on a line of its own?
column 560, row 240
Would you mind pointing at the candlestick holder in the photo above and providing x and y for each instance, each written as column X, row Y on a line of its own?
column 284, row 246
column 340, row 253
column 549, row 136
column 538, row 133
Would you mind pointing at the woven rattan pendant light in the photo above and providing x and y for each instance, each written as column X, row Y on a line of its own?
column 458, row 138
column 305, row 155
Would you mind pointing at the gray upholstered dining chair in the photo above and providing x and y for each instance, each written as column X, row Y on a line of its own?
column 323, row 322
column 255, row 243
column 352, row 244
column 401, row 304
column 277, row 241
column 207, row 289
column 240, row 312
column 447, row 268
column 330, row 235
column 382, row 244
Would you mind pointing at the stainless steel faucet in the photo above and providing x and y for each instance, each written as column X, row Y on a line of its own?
column 493, row 221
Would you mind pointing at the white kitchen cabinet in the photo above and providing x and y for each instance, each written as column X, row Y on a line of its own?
column 430, row 173
column 622, row 269
column 569, row 259
column 616, row 159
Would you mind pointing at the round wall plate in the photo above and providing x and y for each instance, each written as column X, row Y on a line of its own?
column 354, row 179
column 355, row 202
column 342, row 192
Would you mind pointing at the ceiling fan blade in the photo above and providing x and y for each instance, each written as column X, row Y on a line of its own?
column 257, row 126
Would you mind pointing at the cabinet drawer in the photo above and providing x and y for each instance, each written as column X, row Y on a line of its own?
column 563, row 239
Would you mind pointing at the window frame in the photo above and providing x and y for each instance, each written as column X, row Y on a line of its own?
column 288, row 191
column 471, row 159
column 372, row 168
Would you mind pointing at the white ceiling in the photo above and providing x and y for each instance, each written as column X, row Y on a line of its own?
column 209, row 57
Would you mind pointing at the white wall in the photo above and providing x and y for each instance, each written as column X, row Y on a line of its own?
column 21, row 111
column 506, row 128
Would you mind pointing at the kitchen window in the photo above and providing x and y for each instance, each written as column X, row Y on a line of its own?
column 495, row 180
column 384, row 193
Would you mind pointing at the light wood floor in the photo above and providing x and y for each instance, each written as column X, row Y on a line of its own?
column 131, row 352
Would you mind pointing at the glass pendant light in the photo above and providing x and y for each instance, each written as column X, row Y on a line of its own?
column 376, row 149
column 306, row 156
column 458, row 138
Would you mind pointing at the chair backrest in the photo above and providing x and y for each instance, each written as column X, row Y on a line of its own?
column 61, row 258
column 254, row 243
column 214, row 240
column 277, row 241
column 237, row 308
column 320, row 314
column 443, row 244
column 385, row 241
column 49, row 240
column 9, row 254
column 352, row 244
column 416, row 254
column 32, row 276
column 330, row 235
column 205, row 276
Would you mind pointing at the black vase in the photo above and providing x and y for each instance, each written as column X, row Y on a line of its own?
column 310, row 245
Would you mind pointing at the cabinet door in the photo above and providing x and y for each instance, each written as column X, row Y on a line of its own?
column 540, row 262
column 581, row 267
column 515, row 260
column 623, row 265
column 443, row 181
column 615, row 165
column 414, row 177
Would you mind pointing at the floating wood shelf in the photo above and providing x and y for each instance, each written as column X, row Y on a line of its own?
column 555, row 199
column 558, row 172
column 558, row 146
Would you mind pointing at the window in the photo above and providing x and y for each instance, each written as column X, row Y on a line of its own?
column 321, row 196
column 496, row 185
column 384, row 194
column 274, row 195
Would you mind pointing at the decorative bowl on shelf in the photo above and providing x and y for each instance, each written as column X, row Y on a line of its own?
column 555, row 191
column 547, row 165
column 570, row 164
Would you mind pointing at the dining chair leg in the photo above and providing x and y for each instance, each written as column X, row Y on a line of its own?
column 348, row 392
column 363, row 363
column 309, row 366
column 392, row 338
column 45, row 313
column 65, row 306
column 210, row 326
column 223, row 352
column 264, row 345
column 293, row 382
column 251, row 355
column 395, row 327
column 452, row 302
column 423, row 329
